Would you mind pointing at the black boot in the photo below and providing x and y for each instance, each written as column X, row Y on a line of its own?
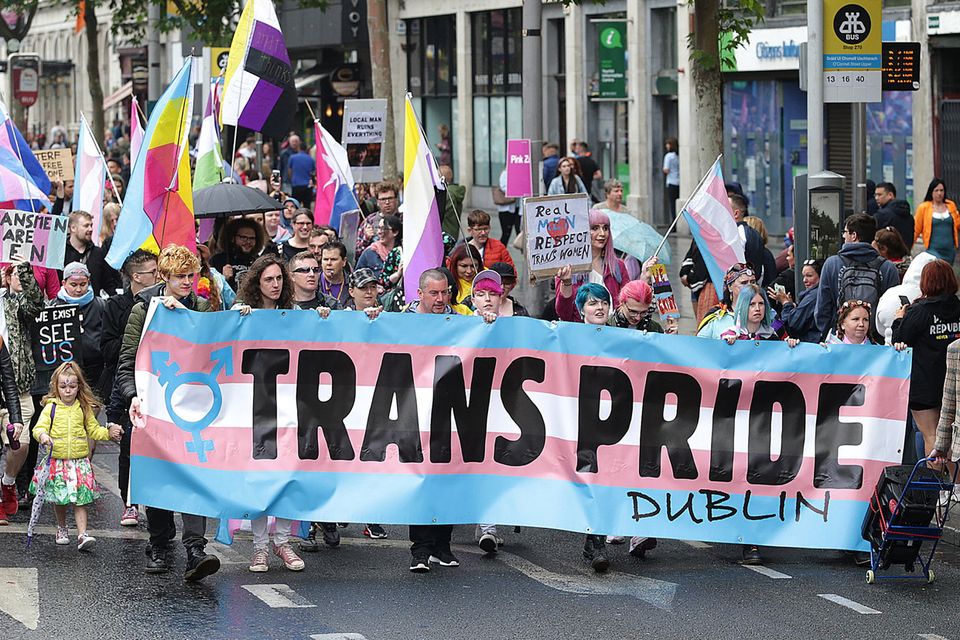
column 310, row 542
column 331, row 536
column 157, row 560
column 200, row 565
column 594, row 550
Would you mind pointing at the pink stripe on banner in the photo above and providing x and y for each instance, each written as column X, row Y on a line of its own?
column 618, row 465
column 883, row 399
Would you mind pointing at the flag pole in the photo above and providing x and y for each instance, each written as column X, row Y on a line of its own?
column 116, row 193
column 684, row 208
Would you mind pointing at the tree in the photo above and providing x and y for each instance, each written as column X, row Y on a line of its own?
column 378, row 32
column 713, row 19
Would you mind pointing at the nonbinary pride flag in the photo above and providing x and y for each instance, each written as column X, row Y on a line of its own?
column 715, row 231
column 334, row 180
column 90, row 176
column 158, row 209
column 422, row 239
column 258, row 91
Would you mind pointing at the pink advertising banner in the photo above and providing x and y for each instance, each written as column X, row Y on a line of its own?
column 519, row 171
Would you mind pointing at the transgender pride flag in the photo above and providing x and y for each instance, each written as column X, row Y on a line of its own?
column 90, row 177
column 711, row 222
column 23, row 180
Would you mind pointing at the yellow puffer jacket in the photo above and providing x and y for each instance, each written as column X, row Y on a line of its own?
column 70, row 430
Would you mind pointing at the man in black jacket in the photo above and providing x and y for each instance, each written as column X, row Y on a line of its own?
column 80, row 248
column 752, row 242
column 140, row 269
column 893, row 213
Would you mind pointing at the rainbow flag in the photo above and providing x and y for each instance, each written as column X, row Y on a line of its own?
column 158, row 209
column 422, row 236
column 712, row 225
column 90, row 176
column 258, row 91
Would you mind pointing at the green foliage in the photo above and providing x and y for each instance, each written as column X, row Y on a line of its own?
column 734, row 24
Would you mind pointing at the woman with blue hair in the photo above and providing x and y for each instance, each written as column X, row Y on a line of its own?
column 593, row 303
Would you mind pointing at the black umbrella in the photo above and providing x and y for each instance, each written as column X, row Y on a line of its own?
column 230, row 199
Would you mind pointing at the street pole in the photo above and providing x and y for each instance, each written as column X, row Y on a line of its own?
column 814, row 87
column 153, row 56
column 533, row 84
column 859, row 156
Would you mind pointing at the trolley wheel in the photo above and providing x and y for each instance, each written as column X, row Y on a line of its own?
column 931, row 576
column 871, row 576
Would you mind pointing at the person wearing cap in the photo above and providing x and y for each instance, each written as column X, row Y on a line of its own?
column 508, row 276
column 178, row 268
column 77, row 289
column 720, row 318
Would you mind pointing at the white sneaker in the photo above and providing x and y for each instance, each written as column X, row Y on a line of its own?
column 63, row 535
column 616, row 539
column 490, row 543
column 85, row 542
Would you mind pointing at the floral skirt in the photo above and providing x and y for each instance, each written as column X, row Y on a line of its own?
column 69, row 482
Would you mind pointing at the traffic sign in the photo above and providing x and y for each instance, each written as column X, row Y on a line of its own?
column 852, row 59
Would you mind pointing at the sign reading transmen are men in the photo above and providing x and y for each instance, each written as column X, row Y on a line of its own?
column 557, row 232
column 38, row 238
column 852, row 51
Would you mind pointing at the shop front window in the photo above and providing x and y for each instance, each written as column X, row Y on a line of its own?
column 497, row 86
column 432, row 77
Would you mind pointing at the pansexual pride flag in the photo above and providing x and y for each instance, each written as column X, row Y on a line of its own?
column 713, row 228
column 258, row 92
column 158, row 209
column 422, row 233
column 433, row 419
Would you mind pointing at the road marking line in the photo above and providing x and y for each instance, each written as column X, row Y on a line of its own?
column 278, row 596
column 341, row 636
column 931, row 636
column 20, row 528
column 697, row 545
column 848, row 603
column 766, row 571
column 106, row 479
column 20, row 596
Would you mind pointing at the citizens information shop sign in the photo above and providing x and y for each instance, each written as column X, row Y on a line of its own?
column 434, row 419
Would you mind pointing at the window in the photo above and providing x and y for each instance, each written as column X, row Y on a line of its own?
column 497, row 87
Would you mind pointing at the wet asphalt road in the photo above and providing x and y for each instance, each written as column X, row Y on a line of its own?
column 538, row 587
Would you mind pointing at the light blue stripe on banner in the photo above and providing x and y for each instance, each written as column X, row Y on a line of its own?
column 466, row 499
column 531, row 335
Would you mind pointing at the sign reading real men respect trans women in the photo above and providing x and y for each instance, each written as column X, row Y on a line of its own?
column 557, row 233
column 432, row 419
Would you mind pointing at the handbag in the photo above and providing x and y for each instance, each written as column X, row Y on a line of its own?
column 499, row 197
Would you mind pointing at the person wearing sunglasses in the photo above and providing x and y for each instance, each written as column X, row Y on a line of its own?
column 305, row 273
column 720, row 318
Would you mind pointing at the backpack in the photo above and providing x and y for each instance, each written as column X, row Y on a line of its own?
column 861, row 281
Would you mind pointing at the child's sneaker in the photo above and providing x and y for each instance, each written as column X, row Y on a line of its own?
column 130, row 517
column 63, row 535
column 85, row 542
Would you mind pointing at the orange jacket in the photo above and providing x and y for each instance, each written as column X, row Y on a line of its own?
column 496, row 251
column 923, row 222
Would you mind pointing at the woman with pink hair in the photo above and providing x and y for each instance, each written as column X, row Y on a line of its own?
column 636, row 309
column 606, row 269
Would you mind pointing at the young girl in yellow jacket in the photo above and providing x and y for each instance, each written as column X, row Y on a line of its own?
column 67, row 420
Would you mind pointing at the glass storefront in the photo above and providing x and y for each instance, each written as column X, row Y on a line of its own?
column 497, row 88
column 432, row 76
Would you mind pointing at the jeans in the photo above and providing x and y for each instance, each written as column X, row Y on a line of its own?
column 428, row 539
column 261, row 532
column 163, row 529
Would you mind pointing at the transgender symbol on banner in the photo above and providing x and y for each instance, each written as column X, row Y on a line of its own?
column 169, row 377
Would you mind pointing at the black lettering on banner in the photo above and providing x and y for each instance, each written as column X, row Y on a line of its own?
column 394, row 381
column 656, row 433
column 717, row 505
column 687, row 506
column 592, row 432
column 746, row 508
column 761, row 468
column 802, row 502
column 265, row 365
column 523, row 411
column 832, row 434
column 328, row 415
column 450, row 396
column 721, row 439
column 637, row 516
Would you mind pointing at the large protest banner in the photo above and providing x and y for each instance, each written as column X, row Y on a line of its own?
column 567, row 426
column 39, row 238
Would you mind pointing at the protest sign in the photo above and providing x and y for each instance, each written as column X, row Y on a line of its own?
column 58, row 336
column 557, row 233
column 364, row 122
column 349, row 226
column 58, row 163
column 663, row 293
column 38, row 238
column 519, row 169
column 568, row 426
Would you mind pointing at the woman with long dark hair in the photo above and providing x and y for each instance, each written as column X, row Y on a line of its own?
column 568, row 178
column 937, row 220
